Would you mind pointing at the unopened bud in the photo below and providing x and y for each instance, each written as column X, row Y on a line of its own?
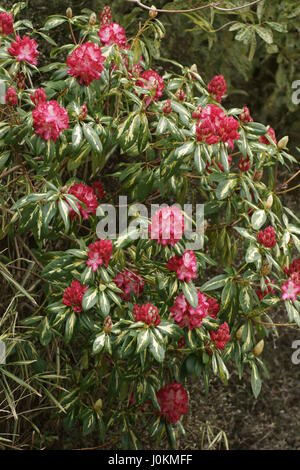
column 269, row 202
column 153, row 12
column 69, row 12
column 239, row 333
column 98, row 405
column 194, row 68
column 283, row 142
column 107, row 326
column 266, row 269
column 257, row 175
column 93, row 19
column 259, row 348
column 180, row 94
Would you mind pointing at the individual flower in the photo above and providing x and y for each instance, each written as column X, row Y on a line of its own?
column 98, row 189
column 217, row 87
column 73, row 295
column 173, row 402
column 167, row 109
column 196, row 114
column 24, row 49
column 86, row 63
column 214, row 126
column 99, row 253
column 245, row 115
column 11, row 98
column 213, row 307
column 146, row 313
column 269, row 290
column 267, row 237
column 167, row 226
column 50, row 119
column 244, row 164
column 88, row 202
column 185, row 266
column 221, row 337
column 129, row 282
column 290, row 290
column 112, row 33
column 271, row 133
column 151, row 80
column 39, row 96
column 105, row 16
column 187, row 316
column 6, row 23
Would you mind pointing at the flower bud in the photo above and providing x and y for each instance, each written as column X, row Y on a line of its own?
column 269, row 202
column 107, row 326
column 283, row 142
column 239, row 333
column 98, row 405
column 93, row 19
column 259, row 348
column 266, row 269
column 69, row 12
column 153, row 12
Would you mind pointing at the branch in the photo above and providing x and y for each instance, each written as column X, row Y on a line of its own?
column 208, row 5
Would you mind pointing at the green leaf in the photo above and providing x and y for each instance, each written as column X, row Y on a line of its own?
column 92, row 138
column 246, row 298
column 265, row 33
column 162, row 126
column 258, row 219
column 252, row 254
column 255, row 380
column 64, row 212
column 76, row 136
column 89, row 423
column 199, row 162
column 104, row 304
column 70, row 325
column 89, row 298
column 190, row 293
column 143, row 340
column 98, row 344
column 225, row 187
column 156, row 349
column 185, row 149
column 224, row 159
column 53, row 22
column 45, row 332
column 244, row 233
column 215, row 283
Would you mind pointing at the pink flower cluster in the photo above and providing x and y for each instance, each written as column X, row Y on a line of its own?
column 50, row 119
column 291, row 288
column 87, row 196
column 39, row 96
column 24, row 49
column 245, row 115
column 267, row 237
column 271, row 133
column 73, row 296
column 173, row 402
column 146, row 313
column 184, row 266
column 214, row 126
column 11, row 98
column 187, row 316
column 129, row 282
column 221, row 336
column 6, row 23
column 213, row 307
column 86, row 63
column 217, row 87
column 167, row 225
column 112, row 33
column 99, row 253
column 151, row 80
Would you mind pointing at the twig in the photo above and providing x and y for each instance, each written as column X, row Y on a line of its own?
column 189, row 10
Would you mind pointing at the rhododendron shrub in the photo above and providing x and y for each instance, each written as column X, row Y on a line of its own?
column 135, row 317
